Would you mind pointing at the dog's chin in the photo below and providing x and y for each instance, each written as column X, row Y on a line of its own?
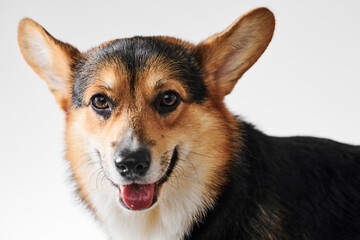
column 142, row 197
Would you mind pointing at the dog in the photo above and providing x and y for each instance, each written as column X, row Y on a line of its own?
column 156, row 154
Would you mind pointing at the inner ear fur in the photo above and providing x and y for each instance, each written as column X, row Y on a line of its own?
column 50, row 58
column 226, row 56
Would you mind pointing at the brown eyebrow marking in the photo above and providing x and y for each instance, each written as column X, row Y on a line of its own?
column 100, row 87
column 159, row 84
column 104, row 85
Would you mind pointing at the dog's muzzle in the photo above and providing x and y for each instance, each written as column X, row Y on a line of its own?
column 133, row 166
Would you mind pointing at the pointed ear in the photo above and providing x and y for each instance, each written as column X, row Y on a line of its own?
column 226, row 56
column 51, row 59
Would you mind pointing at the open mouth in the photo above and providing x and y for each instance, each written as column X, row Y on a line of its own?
column 143, row 196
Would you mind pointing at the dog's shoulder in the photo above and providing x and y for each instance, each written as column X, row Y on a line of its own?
column 287, row 188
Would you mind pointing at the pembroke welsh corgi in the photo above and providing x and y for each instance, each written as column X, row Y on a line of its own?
column 157, row 155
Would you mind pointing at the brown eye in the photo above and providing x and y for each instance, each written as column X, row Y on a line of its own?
column 101, row 104
column 99, row 101
column 166, row 102
column 169, row 99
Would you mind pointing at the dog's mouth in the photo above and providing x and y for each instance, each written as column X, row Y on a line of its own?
column 143, row 196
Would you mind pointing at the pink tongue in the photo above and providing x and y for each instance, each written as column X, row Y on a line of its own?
column 138, row 196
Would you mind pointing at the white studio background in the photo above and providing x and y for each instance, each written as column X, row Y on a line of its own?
column 306, row 83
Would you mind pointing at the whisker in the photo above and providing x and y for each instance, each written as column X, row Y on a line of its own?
column 102, row 180
column 99, row 171
column 92, row 175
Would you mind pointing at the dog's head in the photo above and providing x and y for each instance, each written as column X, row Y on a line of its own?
column 147, row 113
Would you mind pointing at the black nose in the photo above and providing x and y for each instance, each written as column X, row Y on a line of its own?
column 132, row 164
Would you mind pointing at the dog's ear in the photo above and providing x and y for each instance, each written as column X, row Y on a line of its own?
column 51, row 59
column 226, row 56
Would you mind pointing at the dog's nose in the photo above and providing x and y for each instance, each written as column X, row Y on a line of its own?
column 133, row 164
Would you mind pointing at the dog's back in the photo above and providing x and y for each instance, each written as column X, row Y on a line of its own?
column 288, row 188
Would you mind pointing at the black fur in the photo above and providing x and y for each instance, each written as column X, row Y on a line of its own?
column 134, row 53
column 287, row 188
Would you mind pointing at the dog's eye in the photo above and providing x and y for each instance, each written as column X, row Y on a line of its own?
column 167, row 102
column 101, row 105
column 100, row 101
column 169, row 99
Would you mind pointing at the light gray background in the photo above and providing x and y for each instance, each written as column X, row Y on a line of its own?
column 306, row 83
